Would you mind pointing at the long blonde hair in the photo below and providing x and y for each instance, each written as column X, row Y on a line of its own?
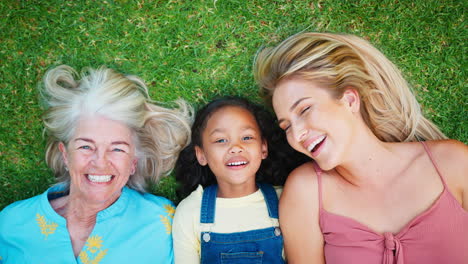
column 159, row 133
column 339, row 62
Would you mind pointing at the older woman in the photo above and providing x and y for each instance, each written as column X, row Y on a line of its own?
column 373, row 194
column 105, row 141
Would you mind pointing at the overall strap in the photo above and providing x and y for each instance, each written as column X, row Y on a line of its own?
column 433, row 162
column 208, row 205
column 318, row 171
column 271, row 199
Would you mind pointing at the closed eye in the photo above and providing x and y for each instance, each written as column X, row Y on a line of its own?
column 285, row 127
column 305, row 110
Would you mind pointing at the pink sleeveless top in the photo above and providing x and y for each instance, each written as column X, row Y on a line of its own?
column 438, row 235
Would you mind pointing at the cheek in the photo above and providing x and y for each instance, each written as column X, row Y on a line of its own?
column 123, row 162
column 292, row 142
column 213, row 160
column 76, row 160
column 342, row 123
column 129, row 165
column 213, row 154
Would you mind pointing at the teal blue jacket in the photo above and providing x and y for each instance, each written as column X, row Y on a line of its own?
column 135, row 229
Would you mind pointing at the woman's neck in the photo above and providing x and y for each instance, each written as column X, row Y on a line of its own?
column 371, row 163
column 78, row 207
column 81, row 217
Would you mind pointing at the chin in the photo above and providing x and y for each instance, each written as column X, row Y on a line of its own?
column 326, row 165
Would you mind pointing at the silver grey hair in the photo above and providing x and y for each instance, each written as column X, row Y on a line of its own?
column 160, row 133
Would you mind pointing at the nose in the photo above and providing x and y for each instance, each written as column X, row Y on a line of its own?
column 300, row 133
column 100, row 159
column 236, row 148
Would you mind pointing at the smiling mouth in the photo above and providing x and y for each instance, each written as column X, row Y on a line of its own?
column 237, row 163
column 316, row 144
column 99, row 178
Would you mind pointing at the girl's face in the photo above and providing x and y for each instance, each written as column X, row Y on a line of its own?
column 316, row 124
column 233, row 148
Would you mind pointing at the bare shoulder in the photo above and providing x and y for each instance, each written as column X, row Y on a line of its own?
column 451, row 157
column 302, row 177
column 448, row 147
column 301, row 186
column 299, row 208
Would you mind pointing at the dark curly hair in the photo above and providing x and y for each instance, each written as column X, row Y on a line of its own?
column 281, row 159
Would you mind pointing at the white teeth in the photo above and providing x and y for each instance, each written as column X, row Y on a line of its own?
column 99, row 178
column 313, row 144
column 237, row 163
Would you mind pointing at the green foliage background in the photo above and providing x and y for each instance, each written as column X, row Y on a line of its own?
column 197, row 49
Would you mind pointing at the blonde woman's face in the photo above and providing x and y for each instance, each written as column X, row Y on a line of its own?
column 100, row 158
column 315, row 123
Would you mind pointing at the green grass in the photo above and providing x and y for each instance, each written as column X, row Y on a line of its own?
column 197, row 49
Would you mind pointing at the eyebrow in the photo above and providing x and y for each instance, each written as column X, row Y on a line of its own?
column 118, row 142
column 221, row 130
column 293, row 106
column 217, row 130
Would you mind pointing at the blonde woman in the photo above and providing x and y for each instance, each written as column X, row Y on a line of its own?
column 106, row 140
column 384, row 186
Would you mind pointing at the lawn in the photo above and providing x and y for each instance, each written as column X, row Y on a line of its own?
column 198, row 49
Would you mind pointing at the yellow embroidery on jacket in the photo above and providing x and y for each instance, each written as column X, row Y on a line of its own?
column 46, row 228
column 167, row 220
column 93, row 246
column 170, row 210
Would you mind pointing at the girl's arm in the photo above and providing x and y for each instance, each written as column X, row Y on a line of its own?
column 184, row 232
column 299, row 217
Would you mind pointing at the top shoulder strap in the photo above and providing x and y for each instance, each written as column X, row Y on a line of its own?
column 208, row 204
column 271, row 199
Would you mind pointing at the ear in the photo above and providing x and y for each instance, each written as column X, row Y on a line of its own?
column 63, row 150
column 264, row 149
column 351, row 99
column 200, row 156
column 134, row 164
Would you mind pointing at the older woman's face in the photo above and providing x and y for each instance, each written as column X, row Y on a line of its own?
column 100, row 158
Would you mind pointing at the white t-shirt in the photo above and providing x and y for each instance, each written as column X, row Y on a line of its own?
column 231, row 215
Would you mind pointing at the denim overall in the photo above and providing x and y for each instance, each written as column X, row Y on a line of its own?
column 249, row 247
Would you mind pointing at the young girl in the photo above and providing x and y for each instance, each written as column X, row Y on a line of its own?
column 231, row 216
